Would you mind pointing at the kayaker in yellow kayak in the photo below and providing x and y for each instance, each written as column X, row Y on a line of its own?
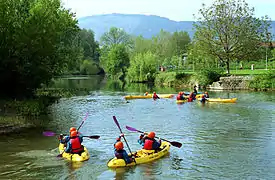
column 148, row 142
column 180, row 96
column 155, row 96
column 66, row 139
column 145, row 94
column 203, row 99
column 74, row 144
column 120, row 153
column 206, row 95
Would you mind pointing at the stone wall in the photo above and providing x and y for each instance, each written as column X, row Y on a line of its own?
column 232, row 83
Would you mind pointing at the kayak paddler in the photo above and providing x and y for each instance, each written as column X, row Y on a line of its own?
column 149, row 141
column 180, row 96
column 74, row 144
column 145, row 94
column 155, row 96
column 64, row 139
column 203, row 99
column 206, row 94
column 120, row 153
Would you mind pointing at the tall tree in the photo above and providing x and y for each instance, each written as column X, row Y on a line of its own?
column 116, row 36
column 229, row 31
column 115, row 61
column 90, row 46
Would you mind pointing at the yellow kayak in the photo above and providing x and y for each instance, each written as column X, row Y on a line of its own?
column 181, row 101
column 232, row 100
column 197, row 96
column 149, row 96
column 142, row 156
column 74, row 157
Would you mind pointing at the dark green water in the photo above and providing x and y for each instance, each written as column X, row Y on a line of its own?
column 220, row 141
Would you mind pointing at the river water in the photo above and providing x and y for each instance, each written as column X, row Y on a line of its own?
column 220, row 141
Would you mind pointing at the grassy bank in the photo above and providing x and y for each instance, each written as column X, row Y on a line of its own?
column 262, row 79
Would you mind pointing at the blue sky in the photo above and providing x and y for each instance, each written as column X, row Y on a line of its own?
column 178, row 10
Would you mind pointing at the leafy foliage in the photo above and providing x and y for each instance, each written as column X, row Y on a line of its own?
column 115, row 61
column 228, row 31
column 208, row 76
column 263, row 81
column 38, row 41
column 143, row 67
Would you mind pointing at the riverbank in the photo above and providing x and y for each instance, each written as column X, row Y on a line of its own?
column 217, row 81
column 17, row 115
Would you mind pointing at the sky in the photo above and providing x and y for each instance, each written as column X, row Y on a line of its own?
column 177, row 10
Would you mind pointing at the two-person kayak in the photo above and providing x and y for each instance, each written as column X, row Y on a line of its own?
column 141, row 156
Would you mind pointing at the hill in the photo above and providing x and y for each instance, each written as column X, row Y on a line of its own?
column 136, row 24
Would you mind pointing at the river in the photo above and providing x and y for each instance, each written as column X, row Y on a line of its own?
column 220, row 141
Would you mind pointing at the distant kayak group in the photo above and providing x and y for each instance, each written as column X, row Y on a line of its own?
column 183, row 97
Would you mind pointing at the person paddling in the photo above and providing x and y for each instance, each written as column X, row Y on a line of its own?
column 120, row 153
column 74, row 144
column 155, row 96
column 66, row 139
column 146, row 94
column 180, row 96
column 149, row 142
column 206, row 95
column 203, row 99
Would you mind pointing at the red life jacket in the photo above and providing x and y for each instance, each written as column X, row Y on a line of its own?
column 76, row 145
column 190, row 99
column 178, row 97
column 148, row 145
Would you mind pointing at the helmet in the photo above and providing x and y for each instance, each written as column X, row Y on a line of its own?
column 73, row 133
column 179, row 92
column 72, row 129
column 154, row 92
column 119, row 145
column 146, row 93
column 206, row 92
column 151, row 135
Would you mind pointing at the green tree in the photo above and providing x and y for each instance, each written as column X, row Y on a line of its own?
column 89, row 45
column 228, row 31
column 115, row 61
column 38, row 42
column 116, row 36
column 181, row 41
column 143, row 67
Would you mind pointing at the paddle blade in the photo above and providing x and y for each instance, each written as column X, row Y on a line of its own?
column 59, row 155
column 93, row 137
column 48, row 133
column 131, row 128
column 176, row 144
column 114, row 118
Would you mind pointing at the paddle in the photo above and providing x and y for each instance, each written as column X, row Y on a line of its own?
column 123, row 136
column 50, row 133
column 60, row 155
column 173, row 143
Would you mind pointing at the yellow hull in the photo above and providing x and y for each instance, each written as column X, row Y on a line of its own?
column 181, row 101
column 143, row 156
column 74, row 157
column 149, row 96
column 232, row 100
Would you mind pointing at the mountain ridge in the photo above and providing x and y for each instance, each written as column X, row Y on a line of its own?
column 137, row 24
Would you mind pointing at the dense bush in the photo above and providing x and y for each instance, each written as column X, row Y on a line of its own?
column 263, row 81
column 208, row 76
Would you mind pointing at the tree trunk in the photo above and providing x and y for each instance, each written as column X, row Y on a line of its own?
column 227, row 67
